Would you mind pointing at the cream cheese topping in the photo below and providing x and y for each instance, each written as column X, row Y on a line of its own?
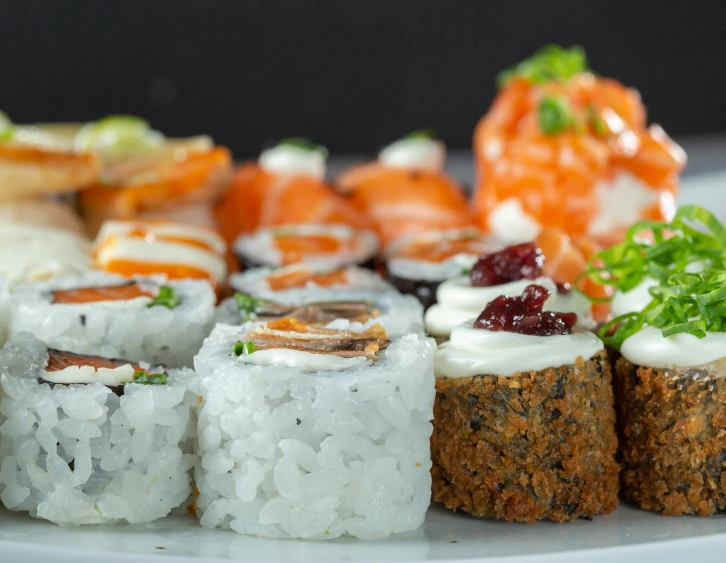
column 472, row 351
column 510, row 223
column 294, row 161
column 419, row 152
column 299, row 359
column 649, row 348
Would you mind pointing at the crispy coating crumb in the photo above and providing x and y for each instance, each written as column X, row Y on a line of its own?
column 533, row 446
column 673, row 440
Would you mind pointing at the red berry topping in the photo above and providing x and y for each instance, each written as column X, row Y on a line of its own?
column 519, row 262
column 524, row 315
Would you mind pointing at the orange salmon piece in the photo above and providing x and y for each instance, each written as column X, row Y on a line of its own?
column 97, row 294
column 172, row 271
column 295, row 248
column 59, row 360
column 300, row 278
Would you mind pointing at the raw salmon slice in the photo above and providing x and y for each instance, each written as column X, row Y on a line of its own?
column 59, row 360
column 98, row 294
column 299, row 278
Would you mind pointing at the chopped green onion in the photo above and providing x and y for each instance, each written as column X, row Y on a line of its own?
column 596, row 122
column 7, row 128
column 143, row 377
column 551, row 62
column 246, row 304
column 554, row 115
column 166, row 298
column 426, row 133
column 304, row 144
column 117, row 134
column 243, row 348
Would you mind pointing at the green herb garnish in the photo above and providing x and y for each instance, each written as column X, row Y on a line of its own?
column 554, row 115
column 243, row 348
column 596, row 122
column 551, row 62
column 246, row 304
column 117, row 134
column 143, row 377
column 304, row 144
column 426, row 133
column 7, row 128
column 682, row 301
column 166, row 298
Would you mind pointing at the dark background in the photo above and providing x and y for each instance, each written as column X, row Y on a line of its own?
column 351, row 74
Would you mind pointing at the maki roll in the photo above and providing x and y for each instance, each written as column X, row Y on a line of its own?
column 505, row 272
column 311, row 432
column 145, row 175
column 563, row 147
column 285, row 186
column 406, row 191
column 139, row 319
column 417, row 264
column 300, row 276
column 92, row 440
column 524, row 424
column 323, row 245
column 175, row 250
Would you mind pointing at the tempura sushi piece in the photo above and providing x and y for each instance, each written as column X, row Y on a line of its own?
column 417, row 264
column 146, row 175
column 301, row 276
column 92, row 440
column 397, row 314
column 504, row 272
column 175, row 250
column 406, row 191
column 322, row 245
column 524, row 424
column 42, row 159
column 314, row 433
column 286, row 186
column 563, row 147
column 140, row 319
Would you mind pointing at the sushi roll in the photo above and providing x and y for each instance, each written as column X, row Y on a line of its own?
column 406, row 191
column 145, row 175
column 563, row 147
column 139, row 319
column 322, row 245
column 417, row 264
column 398, row 314
column 285, row 186
column 524, row 424
column 42, row 159
column 92, row 440
column 308, row 432
column 302, row 275
column 40, row 212
column 505, row 272
column 175, row 250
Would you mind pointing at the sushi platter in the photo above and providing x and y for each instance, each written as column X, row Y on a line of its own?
column 515, row 353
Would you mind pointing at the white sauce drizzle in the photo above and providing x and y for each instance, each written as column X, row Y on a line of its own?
column 421, row 153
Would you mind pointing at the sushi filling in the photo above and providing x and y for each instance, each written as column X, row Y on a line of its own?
column 289, row 342
column 314, row 313
column 418, row 150
column 67, row 368
column 132, row 292
column 324, row 245
column 296, row 277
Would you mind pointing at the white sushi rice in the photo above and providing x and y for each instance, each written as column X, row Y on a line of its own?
column 291, row 454
column 131, row 455
column 399, row 314
column 254, row 280
column 157, row 335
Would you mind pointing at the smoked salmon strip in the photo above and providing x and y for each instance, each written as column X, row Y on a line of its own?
column 562, row 147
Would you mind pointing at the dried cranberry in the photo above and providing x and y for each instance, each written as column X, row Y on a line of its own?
column 524, row 315
column 519, row 262
column 563, row 288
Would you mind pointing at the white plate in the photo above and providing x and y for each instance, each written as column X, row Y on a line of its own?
column 627, row 535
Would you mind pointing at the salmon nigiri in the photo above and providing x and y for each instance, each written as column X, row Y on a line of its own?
column 405, row 191
column 563, row 147
column 286, row 186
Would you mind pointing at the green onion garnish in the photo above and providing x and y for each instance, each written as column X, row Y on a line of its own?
column 166, row 298
column 304, row 144
column 243, row 348
column 143, row 377
column 551, row 62
column 7, row 128
column 426, row 133
column 683, row 301
column 597, row 123
column 554, row 115
column 117, row 134
column 246, row 304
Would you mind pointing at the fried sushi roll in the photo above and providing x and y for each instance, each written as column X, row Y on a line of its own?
column 310, row 432
column 321, row 245
column 92, row 440
column 524, row 424
column 140, row 319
